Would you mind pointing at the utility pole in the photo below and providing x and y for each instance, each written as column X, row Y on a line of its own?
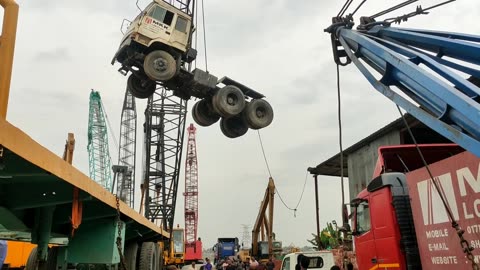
column 246, row 237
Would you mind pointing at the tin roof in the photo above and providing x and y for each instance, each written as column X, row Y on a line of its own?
column 331, row 167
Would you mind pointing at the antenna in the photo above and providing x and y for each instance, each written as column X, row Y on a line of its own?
column 136, row 3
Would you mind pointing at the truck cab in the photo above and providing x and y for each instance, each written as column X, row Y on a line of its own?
column 175, row 254
column 155, row 46
column 318, row 260
column 225, row 247
column 383, row 224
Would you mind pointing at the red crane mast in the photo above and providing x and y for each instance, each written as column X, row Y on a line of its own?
column 193, row 246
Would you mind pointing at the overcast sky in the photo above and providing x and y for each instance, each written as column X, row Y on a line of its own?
column 277, row 47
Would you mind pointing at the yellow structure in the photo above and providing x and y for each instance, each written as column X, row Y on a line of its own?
column 244, row 255
column 175, row 254
column 7, row 46
column 17, row 254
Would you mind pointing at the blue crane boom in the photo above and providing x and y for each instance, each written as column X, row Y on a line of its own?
column 437, row 71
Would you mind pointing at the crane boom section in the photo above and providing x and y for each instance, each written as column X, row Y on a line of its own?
column 412, row 64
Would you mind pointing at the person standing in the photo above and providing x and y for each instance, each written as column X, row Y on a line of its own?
column 3, row 252
column 208, row 265
column 253, row 263
column 270, row 264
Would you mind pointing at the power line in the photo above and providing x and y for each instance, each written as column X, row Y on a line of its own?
column 340, row 136
column 263, row 152
column 276, row 190
column 204, row 36
column 344, row 8
column 418, row 11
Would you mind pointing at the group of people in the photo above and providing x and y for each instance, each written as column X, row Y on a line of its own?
column 255, row 265
column 3, row 252
column 237, row 264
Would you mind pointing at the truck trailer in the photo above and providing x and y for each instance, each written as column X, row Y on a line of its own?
column 225, row 247
column 400, row 221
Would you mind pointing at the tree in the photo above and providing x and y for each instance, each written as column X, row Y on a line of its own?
column 328, row 239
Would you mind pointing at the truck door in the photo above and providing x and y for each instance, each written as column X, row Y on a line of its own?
column 157, row 24
column 286, row 264
column 364, row 237
column 180, row 32
column 384, row 226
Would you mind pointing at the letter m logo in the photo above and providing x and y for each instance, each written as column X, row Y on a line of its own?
column 433, row 210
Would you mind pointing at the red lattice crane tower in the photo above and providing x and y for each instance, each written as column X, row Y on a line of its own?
column 193, row 246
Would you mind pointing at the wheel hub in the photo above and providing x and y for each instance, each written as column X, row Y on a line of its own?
column 260, row 113
column 160, row 64
column 231, row 100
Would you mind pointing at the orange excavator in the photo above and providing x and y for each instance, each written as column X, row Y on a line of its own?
column 267, row 247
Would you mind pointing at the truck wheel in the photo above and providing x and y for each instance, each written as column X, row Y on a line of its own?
column 160, row 66
column 228, row 101
column 159, row 251
column 140, row 88
column 233, row 127
column 32, row 262
column 131, row 255
column 148, row 257
column 203, row 114
column 52, row 258
column 258, row 113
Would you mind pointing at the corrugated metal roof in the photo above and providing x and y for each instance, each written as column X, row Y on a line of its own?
column 331, row 167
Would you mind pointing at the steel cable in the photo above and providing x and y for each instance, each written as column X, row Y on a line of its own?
column 270, row 174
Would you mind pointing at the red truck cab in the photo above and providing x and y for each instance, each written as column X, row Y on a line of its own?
column 383, row 225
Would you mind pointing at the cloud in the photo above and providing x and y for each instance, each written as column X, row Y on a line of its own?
column 58, row 54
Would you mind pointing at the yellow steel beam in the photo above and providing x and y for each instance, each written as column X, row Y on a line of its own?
column 22, row 145
column 7, row 47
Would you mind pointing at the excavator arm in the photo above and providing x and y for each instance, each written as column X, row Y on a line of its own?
column 432, row 75
column 263, row 224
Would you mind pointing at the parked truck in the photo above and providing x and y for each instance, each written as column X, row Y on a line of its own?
column 225, row 247
column 401, row 221
column 156, row 50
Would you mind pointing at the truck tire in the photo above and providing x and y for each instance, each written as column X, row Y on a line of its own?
column 160, row 65
column 32, row 262
column 258, row 113
column 52, row 258
column 233, row 127
column 148, row 257
column 228, row 101
column 50, row 264
column 140, row 88
column 203, row 114
column 160, row 257
column 131, row 252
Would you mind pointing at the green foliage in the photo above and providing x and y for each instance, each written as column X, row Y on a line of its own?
column 329, row 238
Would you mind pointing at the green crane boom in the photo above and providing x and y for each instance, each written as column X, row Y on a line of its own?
column 98, row 152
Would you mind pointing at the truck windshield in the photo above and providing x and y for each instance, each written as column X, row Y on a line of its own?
column 181, row 24
column 161, row 14
column 178, row 241
column 363, row 217
column 315, row 262
column 286, row 264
